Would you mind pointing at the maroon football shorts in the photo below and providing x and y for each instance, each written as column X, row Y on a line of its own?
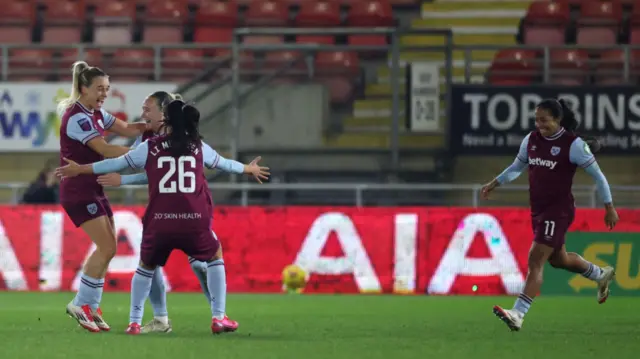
column 551, row 230
column 80, row 211
column 157, row 247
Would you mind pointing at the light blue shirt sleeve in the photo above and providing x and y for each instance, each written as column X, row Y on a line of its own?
column 213, row 160
column 108, row 118
column 135, row 159
column 80, row 128
column 519, row 164
column 580, row 154
column 137, row 142
column 138, row 178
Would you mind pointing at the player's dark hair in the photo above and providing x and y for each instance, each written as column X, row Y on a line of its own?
column 183, row 120
column 163, row 98
column 560, row 110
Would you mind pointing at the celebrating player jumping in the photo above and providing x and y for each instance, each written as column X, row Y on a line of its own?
column 178, row 215
column 553, row 152
column 81, row 140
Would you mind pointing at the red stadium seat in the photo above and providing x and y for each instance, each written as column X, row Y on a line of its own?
column 217, row 13
column 163, row 22
column 29, row 64
column 514, row 66
column 133, row 65
column 94, row 57
column 599, row 22
column 370, row 13
column 337, row 70
column 545, row 23
column 320, row 13
column 63, row 22
column 568, row 67
column 610, row 67
column 16, row 19
column 113, row 22
column 267, row 13
column 180, row 65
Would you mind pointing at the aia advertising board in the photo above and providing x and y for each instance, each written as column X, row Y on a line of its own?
column 437, row 251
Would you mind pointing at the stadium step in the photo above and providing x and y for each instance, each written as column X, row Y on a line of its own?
column 383, row 140
column 476, row 71
column 460, row 39
column 456, row 22
column 506, row 7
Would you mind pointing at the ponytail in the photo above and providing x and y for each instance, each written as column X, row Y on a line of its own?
column 570, row 123
column 74, row 94
column 83, row 75
column 183, row 120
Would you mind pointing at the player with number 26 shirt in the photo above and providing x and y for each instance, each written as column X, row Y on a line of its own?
column 178, row 215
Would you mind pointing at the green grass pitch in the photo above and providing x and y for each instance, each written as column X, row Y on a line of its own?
column 34, row 326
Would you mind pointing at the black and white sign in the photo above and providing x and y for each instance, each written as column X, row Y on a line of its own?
column 423, row 101
column 495, row 119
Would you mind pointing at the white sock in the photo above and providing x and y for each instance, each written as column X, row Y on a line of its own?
column 217, row 283
column 593, row 272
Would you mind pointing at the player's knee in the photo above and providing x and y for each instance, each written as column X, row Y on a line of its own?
column 108, row 251
column 557, row 262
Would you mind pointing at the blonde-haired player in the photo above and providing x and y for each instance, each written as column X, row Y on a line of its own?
column 83, row 123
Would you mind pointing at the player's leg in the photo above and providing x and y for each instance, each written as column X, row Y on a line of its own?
column 573, row 262
column 158, row 298
column 140, row 288
column 217, row 283
column 87, row 301
column 200, row 270
column 96, row 312
column 154, row 252
column 548, row 238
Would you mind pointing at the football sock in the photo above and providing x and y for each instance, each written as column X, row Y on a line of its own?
column 200, row 269
column 523, row 303
column 89, row 292
column 593, row 272
column 140, row 287
column 217, row 282
column 158, row 295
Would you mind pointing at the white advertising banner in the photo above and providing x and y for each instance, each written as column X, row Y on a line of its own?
column 28, row 119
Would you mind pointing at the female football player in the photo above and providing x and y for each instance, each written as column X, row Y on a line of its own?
column 83, row 199
column 152, row 113
column 553, row 152
column 178, row 215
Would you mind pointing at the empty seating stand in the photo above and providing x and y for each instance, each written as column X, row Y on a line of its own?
column 594, row 33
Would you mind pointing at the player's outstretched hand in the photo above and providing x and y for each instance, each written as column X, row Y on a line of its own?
column 110, row 180
column 258, row 172
column 140, row 126
column 611, row 217
column 70, row 170
column 488, row 188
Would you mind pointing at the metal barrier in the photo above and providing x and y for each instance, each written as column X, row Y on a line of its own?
column 619, row 66
column 219, row 65
column 470, row 193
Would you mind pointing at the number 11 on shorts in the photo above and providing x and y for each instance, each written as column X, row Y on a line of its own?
column 549, row 228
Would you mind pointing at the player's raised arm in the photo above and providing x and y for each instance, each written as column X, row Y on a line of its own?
column 512, row 172
column 121, row 127
column 212, row 159
column 80, row 128
column 581, row 154
column 135, row 158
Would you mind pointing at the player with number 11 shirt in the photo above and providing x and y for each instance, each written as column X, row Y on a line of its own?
column 178, row 215
column 552, row 153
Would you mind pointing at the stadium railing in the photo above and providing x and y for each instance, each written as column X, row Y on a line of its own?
column 547, row 61
column 357, row 194
column 221, row 64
